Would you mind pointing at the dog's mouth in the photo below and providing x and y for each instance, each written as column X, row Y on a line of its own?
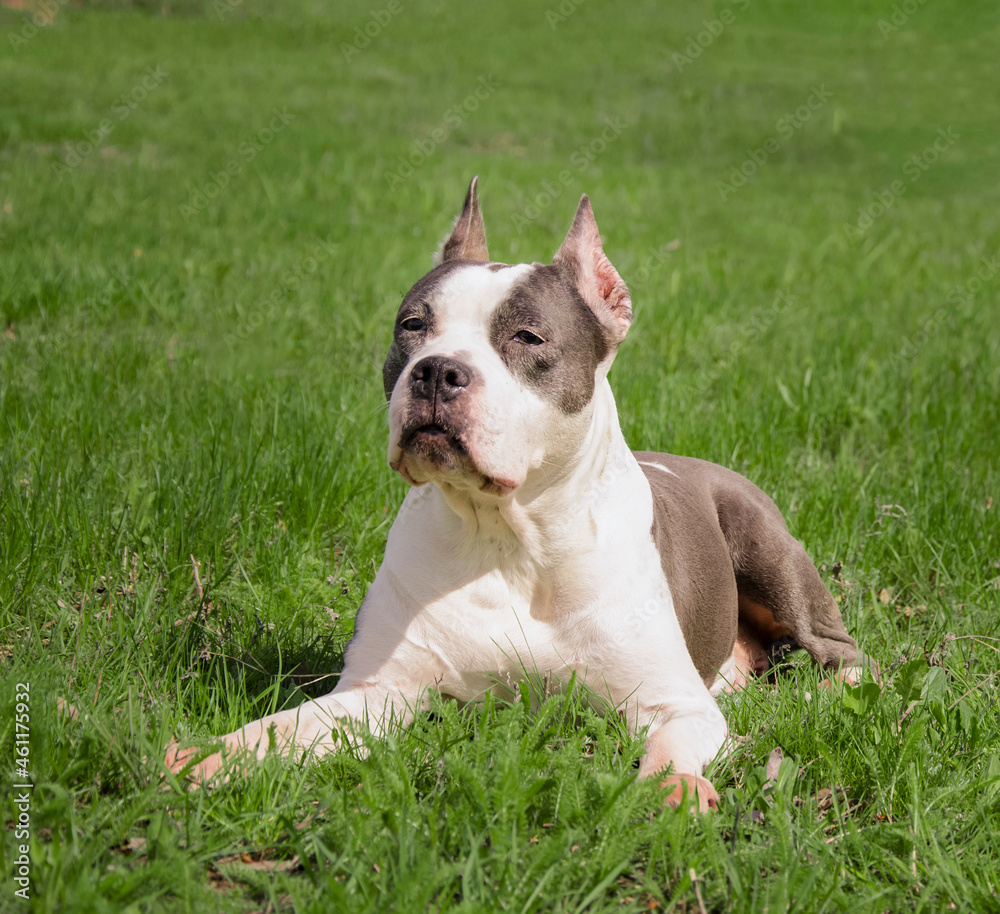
column 431, row 440
column 437, row 447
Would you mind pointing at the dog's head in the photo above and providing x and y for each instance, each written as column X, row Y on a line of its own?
column 493, row 367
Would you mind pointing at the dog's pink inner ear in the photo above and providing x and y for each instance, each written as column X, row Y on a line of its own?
column 597, row 280
column 467, row 240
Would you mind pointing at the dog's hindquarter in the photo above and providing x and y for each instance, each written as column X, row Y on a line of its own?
column 738, row 577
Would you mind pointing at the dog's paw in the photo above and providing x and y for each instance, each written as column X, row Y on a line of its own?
column 699, row 791
column 850, row 675
column 179, row 761
column 847, row 675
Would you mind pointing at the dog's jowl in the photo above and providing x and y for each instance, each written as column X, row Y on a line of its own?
column 533, row 540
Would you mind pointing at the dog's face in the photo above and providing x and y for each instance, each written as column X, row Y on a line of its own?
column 493, row 367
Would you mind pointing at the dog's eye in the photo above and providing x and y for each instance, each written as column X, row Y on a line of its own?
column 529, row 338
column 413, row 325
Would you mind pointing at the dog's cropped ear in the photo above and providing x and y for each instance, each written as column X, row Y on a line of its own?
column 597, row 280
column 467, row 240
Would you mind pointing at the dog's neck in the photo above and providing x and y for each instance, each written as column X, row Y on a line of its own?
column 548, row 515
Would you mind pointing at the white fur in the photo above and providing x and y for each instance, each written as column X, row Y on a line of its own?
column 658, row 466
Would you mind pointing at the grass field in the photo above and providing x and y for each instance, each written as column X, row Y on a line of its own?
column 209, row 213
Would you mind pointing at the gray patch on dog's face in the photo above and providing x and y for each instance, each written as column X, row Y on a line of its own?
column 561, row 368
column 417, row 303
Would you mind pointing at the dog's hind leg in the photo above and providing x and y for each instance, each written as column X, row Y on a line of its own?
column 781, row 595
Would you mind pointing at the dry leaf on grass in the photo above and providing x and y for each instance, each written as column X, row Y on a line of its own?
column 257, row 860
column 64, row 707
column 774, row 764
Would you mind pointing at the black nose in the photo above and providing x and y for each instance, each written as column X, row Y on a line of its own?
column 438, row 377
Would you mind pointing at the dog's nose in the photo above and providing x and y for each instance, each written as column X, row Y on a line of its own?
column 439, row 377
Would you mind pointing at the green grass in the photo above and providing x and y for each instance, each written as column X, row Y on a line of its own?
column 190, row 380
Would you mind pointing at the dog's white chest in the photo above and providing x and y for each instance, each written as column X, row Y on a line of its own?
column 474, row 610
column 473, row 629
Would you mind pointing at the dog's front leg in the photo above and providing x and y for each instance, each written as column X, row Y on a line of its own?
column 685, row 729
column 315, row 727
column 686, row 742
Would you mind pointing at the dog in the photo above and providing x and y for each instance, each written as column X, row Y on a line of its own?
column 533, row 538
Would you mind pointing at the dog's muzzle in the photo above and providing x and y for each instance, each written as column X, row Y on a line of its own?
column 437, row 411
column 438, row 419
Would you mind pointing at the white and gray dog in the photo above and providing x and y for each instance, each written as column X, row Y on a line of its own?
column 534, row 538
